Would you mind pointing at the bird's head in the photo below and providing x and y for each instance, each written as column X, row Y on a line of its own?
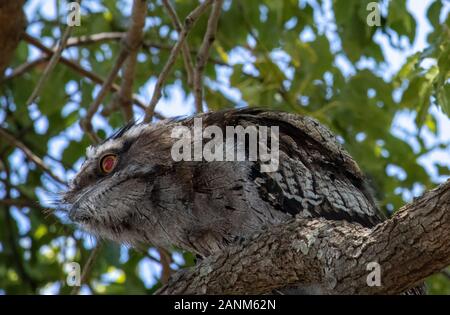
column 107, row 194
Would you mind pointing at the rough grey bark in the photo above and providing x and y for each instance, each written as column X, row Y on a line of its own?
column 410, row 246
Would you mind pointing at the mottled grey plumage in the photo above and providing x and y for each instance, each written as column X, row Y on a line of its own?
column 203, row 206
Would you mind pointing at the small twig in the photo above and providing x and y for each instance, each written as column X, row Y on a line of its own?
column 154, row 259
column 115, row 36
column 134, row 41
column 203, row 53
column 10, row 234
column 86, row 122
column 85, row 73
column 189, row 65
column 189, row 22
column 95, row 38
column 29, row 154
column 165, row 261
column 131, row 42
column 51, row 65
column 73, row 65
column 150, row 44
column 266, row 53
column 17, row 259
column 25, row 67
column 19, row 202
column 87, row 268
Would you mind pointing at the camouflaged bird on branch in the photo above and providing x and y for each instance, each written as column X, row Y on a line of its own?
column 147, row 198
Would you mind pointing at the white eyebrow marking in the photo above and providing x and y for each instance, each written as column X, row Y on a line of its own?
column 134, row 132
column 137, row 130
column 92, row 152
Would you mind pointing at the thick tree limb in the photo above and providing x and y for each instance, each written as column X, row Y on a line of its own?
column 410, row 246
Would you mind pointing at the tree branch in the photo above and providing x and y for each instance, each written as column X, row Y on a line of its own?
column 189, row 65
column 165, row 260
column 130, row 44
column 203, row 53
column 86, row 122
column 82, row 71
column 95, row 38
column 409, row 246
column 51, row 65
column 87, row 268
column 12, row 25
column 12, row 237
column 115, row 36
column 29, row 154
column 21, row 202
column 189, row 22
column 25, row 67
column 134, row 42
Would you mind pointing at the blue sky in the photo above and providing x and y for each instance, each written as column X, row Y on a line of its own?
column 178, row 104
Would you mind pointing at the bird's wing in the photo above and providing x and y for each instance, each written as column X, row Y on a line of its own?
column 316, row 176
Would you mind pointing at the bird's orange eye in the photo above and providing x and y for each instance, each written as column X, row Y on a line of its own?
column 108, row 162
